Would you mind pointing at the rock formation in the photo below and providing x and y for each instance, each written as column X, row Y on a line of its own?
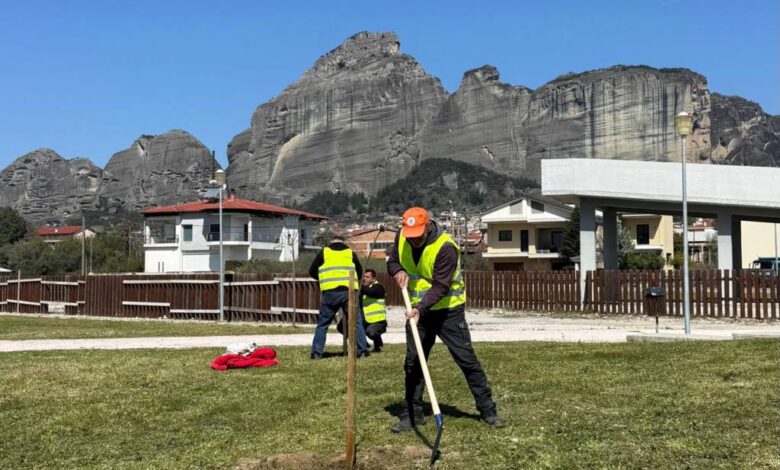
column 350, row 123
column 42, row 185
column 365, row 114
column 155, row 170
column 742, row 133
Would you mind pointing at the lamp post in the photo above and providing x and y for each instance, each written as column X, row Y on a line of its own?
column 219, row 178
column 683, row 124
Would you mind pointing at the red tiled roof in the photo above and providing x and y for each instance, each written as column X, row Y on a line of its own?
column 239, row 205
column 65, row 230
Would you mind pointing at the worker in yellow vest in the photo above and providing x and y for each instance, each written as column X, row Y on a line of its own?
column 372, row 300
column 426, row 260
column 331, row 267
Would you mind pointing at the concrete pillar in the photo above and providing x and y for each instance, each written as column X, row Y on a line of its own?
column 610, row 249
column 725, row 241
column 587, row 242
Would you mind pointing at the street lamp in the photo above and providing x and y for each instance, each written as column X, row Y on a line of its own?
column 683, row 125
column 219, row 179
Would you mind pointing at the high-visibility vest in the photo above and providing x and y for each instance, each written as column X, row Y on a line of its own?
column 374, row 309
column 421, row 274
column 334, row 271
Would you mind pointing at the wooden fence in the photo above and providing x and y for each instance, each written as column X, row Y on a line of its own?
column 713, row 293
column 264, row 297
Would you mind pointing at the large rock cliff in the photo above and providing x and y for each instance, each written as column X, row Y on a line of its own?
column 350, row 123
column 365, row 114
column 155, row 170
column 42, row 185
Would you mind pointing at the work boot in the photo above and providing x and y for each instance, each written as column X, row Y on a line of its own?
column 315, row 356
column 408, row 422
column 378, row 343
column 363, row 354
column 492, row 419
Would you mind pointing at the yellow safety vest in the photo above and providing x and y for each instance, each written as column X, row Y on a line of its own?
column 334, row 271
column 421, row 274
column 374, row 309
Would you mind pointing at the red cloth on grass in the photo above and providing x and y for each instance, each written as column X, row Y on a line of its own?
column 260, row 357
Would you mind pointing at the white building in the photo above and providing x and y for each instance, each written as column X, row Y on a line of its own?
column 526, row 234
column 185, row 237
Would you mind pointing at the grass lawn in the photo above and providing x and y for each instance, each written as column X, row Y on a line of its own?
column 630, row 405
column 17, row 328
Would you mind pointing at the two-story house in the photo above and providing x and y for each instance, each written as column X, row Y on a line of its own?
column 651, row 232
column 186, row 237
column 526, row 234
column 62, row 232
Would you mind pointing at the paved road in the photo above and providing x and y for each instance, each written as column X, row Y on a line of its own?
column 486, row 326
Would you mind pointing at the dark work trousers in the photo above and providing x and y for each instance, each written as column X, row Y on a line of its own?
column 451, row 327
column 332, row 302
column 374, row 331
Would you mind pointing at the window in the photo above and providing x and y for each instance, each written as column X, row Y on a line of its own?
column 186, row 233
column 214, row 232
column 642, row 234
column 523, row 240
column 246, row 232
column 556, row 237
column 536, row 207
column 505, row 235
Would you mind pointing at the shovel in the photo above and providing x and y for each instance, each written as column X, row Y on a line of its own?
column 428, row 384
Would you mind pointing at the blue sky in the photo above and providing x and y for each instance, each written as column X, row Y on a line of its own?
column 87, row 78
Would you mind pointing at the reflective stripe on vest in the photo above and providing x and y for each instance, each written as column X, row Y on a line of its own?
column 421, row 274
column 334, row 271
column 374, row 309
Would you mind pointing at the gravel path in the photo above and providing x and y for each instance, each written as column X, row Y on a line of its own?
column 486, row 326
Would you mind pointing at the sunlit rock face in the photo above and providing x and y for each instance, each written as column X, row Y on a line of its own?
column 365, row 114
column 350, row 123
column 157, row 170
column 43, row 186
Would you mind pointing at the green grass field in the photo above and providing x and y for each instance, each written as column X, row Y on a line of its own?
column 18, row 328
column 632, row 405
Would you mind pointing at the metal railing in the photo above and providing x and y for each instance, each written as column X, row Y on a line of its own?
column 158, row 239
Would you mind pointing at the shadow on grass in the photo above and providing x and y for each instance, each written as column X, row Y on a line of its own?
column 395, row 409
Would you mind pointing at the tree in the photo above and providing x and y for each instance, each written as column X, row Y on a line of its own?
column 624, row 245
column 571, row 236
column 12, row 226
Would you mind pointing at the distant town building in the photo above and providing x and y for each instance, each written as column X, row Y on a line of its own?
column 362, row 240
column 57, row 234
column 526, row 234
column 185, row 237
column 651, row 232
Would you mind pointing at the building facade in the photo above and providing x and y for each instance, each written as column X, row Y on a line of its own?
column 526, row 234
column 57, row 234
column 186, row 237
column 362, row 241
column 653, row 233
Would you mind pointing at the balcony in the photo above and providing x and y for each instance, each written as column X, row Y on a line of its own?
column 161, row 239
column 228, row 237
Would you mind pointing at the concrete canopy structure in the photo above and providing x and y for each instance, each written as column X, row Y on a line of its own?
column 730, row 194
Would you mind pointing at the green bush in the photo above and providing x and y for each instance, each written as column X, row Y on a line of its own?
column 644, row 260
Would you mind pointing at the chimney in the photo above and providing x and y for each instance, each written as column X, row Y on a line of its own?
column 232, row 196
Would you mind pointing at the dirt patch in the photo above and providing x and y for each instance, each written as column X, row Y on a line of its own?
column 378, row 458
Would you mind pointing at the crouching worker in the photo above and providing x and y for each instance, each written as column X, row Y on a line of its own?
column 427, row 261
column 331, row 266
column 372, row 299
